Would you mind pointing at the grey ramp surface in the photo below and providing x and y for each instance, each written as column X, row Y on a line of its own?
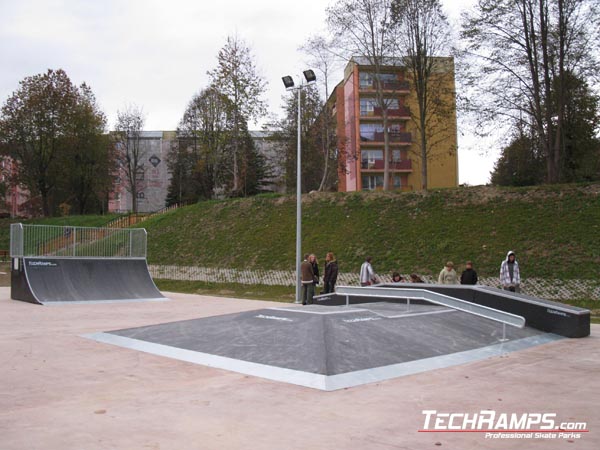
column 351, row 345
column 84, row 280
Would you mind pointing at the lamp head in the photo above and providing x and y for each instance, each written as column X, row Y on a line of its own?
column 310, row 76
column 288, row 82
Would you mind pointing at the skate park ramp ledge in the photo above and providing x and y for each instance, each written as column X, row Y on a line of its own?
column 364, row 335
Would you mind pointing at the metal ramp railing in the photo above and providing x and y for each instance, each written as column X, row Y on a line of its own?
column 439, row 299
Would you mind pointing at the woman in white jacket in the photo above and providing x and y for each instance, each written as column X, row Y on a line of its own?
column 510, row 278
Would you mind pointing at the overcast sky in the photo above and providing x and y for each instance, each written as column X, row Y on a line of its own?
column 155, row 54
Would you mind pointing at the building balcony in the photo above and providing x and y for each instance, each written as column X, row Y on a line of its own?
column 402, row 111
column 395, row 137
column 377, row 164
column 392, row 86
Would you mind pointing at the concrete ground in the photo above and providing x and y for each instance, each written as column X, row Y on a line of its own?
column 59, row 390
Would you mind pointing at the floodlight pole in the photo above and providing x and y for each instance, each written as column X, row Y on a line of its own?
column 299, row 200
column 289, row 84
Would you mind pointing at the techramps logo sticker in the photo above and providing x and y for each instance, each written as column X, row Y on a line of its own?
column 494, row 425
column 42, row 264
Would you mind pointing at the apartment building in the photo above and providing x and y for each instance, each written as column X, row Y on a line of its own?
column 360, row 133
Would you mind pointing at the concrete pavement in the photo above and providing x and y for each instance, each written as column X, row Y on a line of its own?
column 59, row 390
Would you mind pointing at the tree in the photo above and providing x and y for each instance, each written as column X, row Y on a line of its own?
column 89, row 157
column 237, row 78
column 200, row 162
column 365, row 29
column 36, row 120
column 581, row 123
column 287, row 131
column 324, row 60
column 522, row 54
column 128, row 133
column 423, row 37
column 54, row 131
column 520, row 163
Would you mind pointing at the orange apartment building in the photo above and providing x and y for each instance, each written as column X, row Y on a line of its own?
column 360, row 136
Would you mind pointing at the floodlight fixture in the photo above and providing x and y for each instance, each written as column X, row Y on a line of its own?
column 310, row 76
column 288, row 82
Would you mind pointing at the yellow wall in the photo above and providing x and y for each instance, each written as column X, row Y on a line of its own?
column 442, row 160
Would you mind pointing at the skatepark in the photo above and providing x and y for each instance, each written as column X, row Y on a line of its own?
column 356, row 370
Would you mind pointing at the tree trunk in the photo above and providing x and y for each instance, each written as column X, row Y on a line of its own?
column 424, row 174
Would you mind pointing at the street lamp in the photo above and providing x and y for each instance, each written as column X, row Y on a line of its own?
column 288, row 82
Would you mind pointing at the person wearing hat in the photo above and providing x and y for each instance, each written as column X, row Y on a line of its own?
column 448, row 274
column 469, row 276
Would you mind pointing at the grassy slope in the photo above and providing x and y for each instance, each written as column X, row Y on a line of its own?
column 554, row 231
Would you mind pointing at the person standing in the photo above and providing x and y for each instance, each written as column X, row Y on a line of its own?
column 331, row 273
column 448, row 274
column 510, row 276
column 469, row 276
column 312, row 259
column 367, row 274
column 307, row 278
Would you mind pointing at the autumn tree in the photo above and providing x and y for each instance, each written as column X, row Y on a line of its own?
column 365, row 30
column 53, row 131
column 128, row 134
column 424, row 41
column 200, row 162
column 311, row 133
column 522, row 53
column 323, row 58
column 89, row 157
column 237, row 78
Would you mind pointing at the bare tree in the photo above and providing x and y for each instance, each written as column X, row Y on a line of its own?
column 365, row 29
column 324, row 60
column 237, row 77
column 128, row 130
column 424, row 37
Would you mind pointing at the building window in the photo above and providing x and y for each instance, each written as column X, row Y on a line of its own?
column 374, row 131
column 371, row 159
column 372, row 182
column 396, row 156
column 365, row 80
column 367, row 106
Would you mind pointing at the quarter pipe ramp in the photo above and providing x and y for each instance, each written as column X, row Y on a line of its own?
column 72, row 280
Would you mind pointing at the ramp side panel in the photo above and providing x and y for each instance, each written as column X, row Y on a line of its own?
column 65, row 280
column 19, row 286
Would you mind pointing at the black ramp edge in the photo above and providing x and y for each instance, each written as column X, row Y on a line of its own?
column 47, row 280
column 544, row 315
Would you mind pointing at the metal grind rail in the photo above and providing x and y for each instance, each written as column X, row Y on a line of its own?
column 435, row 298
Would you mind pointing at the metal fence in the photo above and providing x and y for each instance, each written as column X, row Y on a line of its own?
column 76, row 242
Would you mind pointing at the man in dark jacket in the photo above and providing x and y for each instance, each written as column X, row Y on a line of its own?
column 469, row 276
column 331, row 273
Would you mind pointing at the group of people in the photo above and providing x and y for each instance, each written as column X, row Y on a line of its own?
column 510, row 277
column 309, row 271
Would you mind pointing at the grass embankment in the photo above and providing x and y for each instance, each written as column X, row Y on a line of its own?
column 553, row 229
